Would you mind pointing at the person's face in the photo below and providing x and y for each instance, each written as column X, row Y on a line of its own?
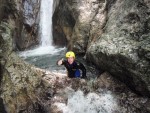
column 70, row 60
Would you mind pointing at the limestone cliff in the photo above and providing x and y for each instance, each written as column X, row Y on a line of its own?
column 114, row 34
column 79, row 21
column 62, row 32
column 26, row 24
column 19, row 83
column 124, row 47
column 18, row 80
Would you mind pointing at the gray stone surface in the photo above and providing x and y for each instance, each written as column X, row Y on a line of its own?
column 79, row 21
column 27, row 24
column 19, row 82
column 123, row 48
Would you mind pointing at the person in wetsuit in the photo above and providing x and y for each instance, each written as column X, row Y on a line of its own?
column 75, row 69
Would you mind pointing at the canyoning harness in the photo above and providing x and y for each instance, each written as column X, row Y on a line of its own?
column 75, row 70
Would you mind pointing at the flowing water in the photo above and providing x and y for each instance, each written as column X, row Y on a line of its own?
column 46, row 55
column 45, row 33
column 91, row 103
column 46, row 22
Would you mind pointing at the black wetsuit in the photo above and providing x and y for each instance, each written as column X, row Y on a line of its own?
column 72, row 68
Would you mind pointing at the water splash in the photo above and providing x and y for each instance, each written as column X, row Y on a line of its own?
column 91, row 103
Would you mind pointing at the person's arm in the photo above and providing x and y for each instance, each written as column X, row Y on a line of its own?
column 60, row 62
column 83, row 69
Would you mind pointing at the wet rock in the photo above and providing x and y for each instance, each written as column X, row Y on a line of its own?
column 26, row 34
column 63, row 24
column 26, row 16
column 2, row 108
column 78, row 21
column 70, row 92
column 19, row 82
column 123, row 49
column 127, row 100
column 7, row 12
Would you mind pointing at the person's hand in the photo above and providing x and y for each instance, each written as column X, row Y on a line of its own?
column 60, row 62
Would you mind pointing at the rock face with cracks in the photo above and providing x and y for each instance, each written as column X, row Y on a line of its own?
column 79, row 21
column 19, row 82
column 114, row 35
column 123, row 48
column 28, row 24
column 26, row 14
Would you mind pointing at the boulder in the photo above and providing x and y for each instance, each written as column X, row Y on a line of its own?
column 18, row 80
column 123, row 95
column 124, row 46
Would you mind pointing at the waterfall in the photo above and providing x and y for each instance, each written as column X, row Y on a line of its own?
column 45, row 32
column 46, row 22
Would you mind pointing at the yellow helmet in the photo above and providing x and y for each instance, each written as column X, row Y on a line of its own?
column 70, row 54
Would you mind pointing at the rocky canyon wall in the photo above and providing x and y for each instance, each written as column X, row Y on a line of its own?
column 27, row 25
column 63, row 23
column 114, row 35
column 19, row 82
column 79, row 22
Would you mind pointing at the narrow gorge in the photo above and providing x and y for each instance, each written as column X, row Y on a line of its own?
column 111, row 38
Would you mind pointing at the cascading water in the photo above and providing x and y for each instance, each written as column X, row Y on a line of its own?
column 45, row 32
column 46, row 22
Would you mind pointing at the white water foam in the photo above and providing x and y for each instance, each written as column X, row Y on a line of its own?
column 91, row 103
column 43, row 50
